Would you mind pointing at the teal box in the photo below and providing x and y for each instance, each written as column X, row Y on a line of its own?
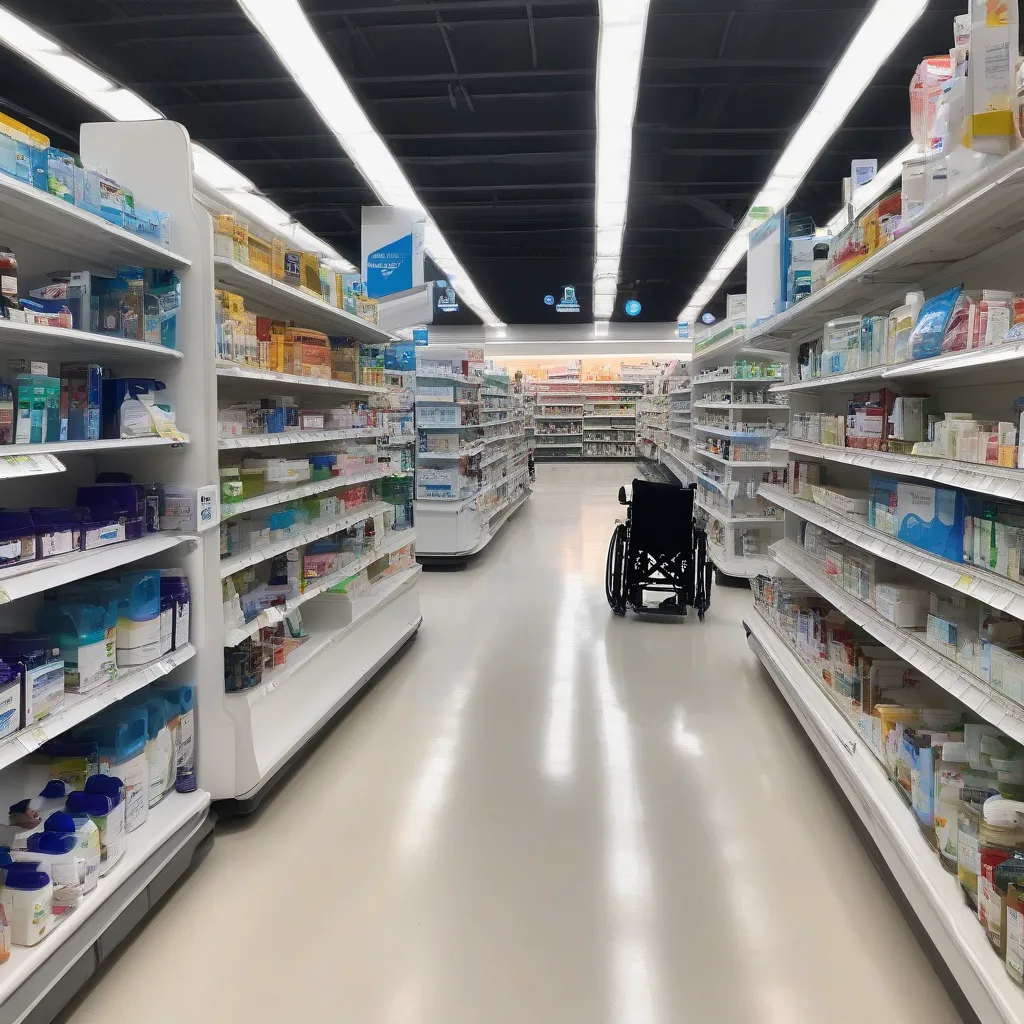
column 22, row 161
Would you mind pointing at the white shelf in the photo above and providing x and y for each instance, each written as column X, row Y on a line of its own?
column 382, row 593
column 491, row 459
column 85, row 343
column 981, row 584
column 727, row 406
column 31, row 215
column 463, row 453
column 278, row 613
column 177, row 816
column 933, row 893
column 578, row 444
column 680, row 433
column 461, row 426
column 545, row 418
column 286, row 494
column 23, row 466
column 46, row 573
column 307, row 310
column 87, row 447
column 290, row 380
column 973, row 218
column 610, row 416
column 975, row 693
column 317, row 531
column 731, row 520
column 77, row 708
column 755, row 381
column 736, row 566
column 997, row 481
column 733, row 465
column 298, row 437
column 834, row 380
column 721, row 432
column 424, row 400
column 982, row 366
column 680, row 468
column 457, row 378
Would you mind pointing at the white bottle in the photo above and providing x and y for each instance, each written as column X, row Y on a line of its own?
column 27, row 899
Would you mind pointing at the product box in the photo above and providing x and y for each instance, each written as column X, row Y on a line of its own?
column 111, row 201
column 85, row 395
column 931, row 518
column 23, row 153
column 87, row 189
column 60, row 175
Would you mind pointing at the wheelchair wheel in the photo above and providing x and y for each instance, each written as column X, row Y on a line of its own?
column 614, row 581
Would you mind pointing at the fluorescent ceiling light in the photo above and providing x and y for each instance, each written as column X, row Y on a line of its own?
column 285, row 27
column 218, row 173
column 880, row 34
column 620, row 52
column 124, row 105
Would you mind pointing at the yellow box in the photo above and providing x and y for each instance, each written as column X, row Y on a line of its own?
column 309, row 275
column 1008, row 456
column 275, row 351
column 16, row 130
column 260, row 252
column 277, row 248
column 232, row 304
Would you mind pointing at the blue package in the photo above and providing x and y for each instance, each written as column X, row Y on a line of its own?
column 931, row 518
column 87, row 189
column 926, row 338
column 25, row 162
column 400, row 356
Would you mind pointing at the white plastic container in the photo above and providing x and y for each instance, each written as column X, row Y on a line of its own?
column 27, row 899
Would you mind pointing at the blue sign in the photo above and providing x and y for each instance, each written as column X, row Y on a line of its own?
column 709, row 318
column 633, row 307
column 684, row 332
column 549, row 300
column 389, row 270
column 419, row 335
column 569, row 303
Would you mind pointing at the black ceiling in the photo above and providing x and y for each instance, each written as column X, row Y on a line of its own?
column 489, row 106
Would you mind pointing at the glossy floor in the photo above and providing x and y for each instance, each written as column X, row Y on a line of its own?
column 542, row 815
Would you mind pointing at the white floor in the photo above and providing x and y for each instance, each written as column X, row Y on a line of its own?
column 542, row 815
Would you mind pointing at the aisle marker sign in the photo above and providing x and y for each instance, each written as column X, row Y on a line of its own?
column 392, row 250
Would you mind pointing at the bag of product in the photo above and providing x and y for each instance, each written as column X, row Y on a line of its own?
column 926, row 340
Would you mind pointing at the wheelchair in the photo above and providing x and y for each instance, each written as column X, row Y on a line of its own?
column 658, row 549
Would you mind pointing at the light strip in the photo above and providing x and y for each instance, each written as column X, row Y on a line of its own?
column 880, row 34
column 285, row 27
column 620, row 52
column 124, row 105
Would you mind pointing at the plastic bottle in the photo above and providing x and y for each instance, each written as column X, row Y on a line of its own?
column 27, row 900
column 949, row 787
column 87, row 839
column 80, row 630
column 108, row 815
column 121, row 736
column 182, row 723
column 58, row 855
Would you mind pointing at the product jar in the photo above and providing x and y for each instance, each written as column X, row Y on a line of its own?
column 968, row 852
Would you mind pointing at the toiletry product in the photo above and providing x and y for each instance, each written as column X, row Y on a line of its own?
column 174, row 585
column 121, row 735
column 138, row 623
column 57, row 854
column 103, row 800
column 27, row 898
column 87, row 842
column 159, row 745
column 10, row 699
column 927, row 336
column 181, row 698
column 17, row 537
column 80, row 631
column 42, row 673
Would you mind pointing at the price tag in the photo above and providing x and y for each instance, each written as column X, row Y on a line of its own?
column 40, row 736
column 964, row 582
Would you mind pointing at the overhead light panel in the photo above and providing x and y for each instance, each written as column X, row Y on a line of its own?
column 620, row 52
column 286, row 29
column 880, row 34
column 124, row 105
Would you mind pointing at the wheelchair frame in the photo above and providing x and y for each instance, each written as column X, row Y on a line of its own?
column 632, row 571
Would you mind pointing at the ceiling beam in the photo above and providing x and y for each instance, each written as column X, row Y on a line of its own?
column 533, row 34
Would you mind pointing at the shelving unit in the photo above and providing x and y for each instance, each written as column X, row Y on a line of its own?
column 46, row 232
column 464, row 496
column 729, row 410
column 971, row 237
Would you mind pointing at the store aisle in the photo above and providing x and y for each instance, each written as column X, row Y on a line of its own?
column 545, row 815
